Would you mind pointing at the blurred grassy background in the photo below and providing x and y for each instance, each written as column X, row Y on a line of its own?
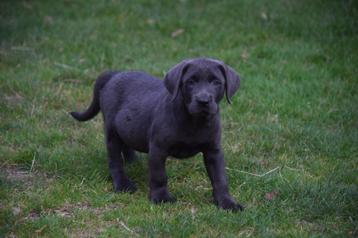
column 296, row 112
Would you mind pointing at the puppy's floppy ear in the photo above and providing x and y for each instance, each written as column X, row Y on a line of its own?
column 232, row 80
column 173, row 78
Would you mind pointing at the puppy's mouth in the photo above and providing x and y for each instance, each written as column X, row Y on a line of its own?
column 203, row 110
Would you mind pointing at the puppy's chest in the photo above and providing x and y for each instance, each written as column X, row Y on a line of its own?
column 188, row 145
column 184, row 150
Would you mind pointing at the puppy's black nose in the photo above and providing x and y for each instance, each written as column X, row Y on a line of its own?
column 203, row 98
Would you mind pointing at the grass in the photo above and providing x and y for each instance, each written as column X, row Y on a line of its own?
column 296, row 112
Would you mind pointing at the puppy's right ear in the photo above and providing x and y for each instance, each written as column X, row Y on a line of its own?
column 173, row 78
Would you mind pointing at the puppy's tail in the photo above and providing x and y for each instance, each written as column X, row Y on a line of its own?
column 94, row 108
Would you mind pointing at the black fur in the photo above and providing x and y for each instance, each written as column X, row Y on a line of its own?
column 177, row 118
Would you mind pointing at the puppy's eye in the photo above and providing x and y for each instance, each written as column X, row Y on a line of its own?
column 191, row 82
column 216, row 82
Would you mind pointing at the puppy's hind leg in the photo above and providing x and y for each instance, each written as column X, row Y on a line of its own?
column 115, row 146
column 129, row 154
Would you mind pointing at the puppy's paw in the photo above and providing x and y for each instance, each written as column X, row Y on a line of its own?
column 229, row 204
column 124, row 186
column 161, row 196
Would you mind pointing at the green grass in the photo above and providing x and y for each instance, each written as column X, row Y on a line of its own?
column 297, row 110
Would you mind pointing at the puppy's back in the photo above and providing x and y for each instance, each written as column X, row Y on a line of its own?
column 133, row 90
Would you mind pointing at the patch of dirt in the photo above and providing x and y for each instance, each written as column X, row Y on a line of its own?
column 13, row 99
column 14, row 174
column 27, row 179
column 89, row 229
column 68, row 210
column 24, row 177
column 95, row 230
column 32, row 216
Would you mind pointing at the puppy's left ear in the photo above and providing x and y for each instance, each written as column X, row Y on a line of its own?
column 173, row 78
column 232, row 81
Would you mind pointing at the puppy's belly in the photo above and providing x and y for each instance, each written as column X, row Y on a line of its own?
column 132, row 129
column 183, row 150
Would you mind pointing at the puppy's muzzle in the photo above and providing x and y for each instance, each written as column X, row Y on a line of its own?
column 203, row 99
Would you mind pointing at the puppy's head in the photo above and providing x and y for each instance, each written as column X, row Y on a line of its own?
column 202, row 83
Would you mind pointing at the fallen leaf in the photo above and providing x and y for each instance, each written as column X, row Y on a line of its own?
column 271, row 195
column 16, row 211
column 264, row 16
column 177, row 32
column 27, row 5
column 41, row 229
column 245, row 55
column 193, row 210
column 63, row 212
column 13, row 99
column 48, row 20
column 33, row 215
column 150, row 21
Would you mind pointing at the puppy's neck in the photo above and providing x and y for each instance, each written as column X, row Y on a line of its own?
column 203, row 120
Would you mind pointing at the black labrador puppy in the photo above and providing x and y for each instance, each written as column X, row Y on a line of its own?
column 177, row 117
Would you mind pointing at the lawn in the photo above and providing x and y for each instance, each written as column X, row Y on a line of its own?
column 290, row 137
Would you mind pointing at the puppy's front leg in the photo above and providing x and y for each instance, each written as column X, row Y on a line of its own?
column 215, row 166
column 157, row 177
